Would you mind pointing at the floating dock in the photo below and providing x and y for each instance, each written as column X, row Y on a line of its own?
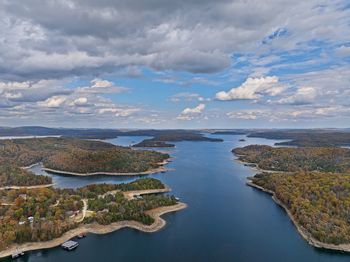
column 70, row 245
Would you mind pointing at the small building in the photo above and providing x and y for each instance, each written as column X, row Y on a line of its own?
column 21, row 223
column 31, row 219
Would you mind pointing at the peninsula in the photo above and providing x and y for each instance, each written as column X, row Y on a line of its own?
column 46, row 217
column 80, row 157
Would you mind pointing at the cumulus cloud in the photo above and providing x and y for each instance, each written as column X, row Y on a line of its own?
column 55, row 101
column 303, row 95
column 190, row 113
column 101, row 86
column 253, row 88
column 50, row 100
column 81, row 101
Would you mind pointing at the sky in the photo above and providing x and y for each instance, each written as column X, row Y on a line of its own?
column 175, row 64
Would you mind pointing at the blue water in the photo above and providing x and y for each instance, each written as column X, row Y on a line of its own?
column 225, row 221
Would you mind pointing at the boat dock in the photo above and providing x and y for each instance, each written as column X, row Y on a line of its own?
column 70, row 245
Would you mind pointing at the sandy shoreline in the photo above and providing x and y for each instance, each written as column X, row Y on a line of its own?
column 26, row 187
column 95, row 228
column 312, row 241
column 159, row 169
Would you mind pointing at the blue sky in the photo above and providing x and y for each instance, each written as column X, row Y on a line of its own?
column 205, row 64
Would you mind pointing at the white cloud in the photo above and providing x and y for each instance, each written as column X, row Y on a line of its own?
column 306, row 113
column 186, row 96
column 55, row 101
column 253, row 88
column 196, row 110
column 80, row 101
column 303, row 95
column 101, row 86
column 248, row 114
column 190, row 113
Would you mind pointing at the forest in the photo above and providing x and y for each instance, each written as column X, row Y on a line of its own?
column 31, row 215
column 323, row 159
column 14, row 176
column 307, row 137
column 160, row 139
column 320, row 202
column 75, row 155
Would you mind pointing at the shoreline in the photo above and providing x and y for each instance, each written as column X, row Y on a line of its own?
column 26, row 187
column 305, row 235
column 160, row 169
column 256, row 168
column 95, row 228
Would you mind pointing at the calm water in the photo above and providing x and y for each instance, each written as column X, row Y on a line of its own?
column 225, row 221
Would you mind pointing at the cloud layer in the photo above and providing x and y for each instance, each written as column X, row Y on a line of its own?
column 60, row 61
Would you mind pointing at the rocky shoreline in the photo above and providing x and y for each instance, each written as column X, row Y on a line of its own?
column 306, row 236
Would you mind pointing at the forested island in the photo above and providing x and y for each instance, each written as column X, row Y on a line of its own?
column 153, row 143
column 78, row 156
column 161, row 139
column 312, row 184
column 42, row 215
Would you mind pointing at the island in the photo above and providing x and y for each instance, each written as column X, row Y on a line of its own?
column 73, row 156
column 46, row 217
column 153, row 143
column 160, row 139
column 311, row 184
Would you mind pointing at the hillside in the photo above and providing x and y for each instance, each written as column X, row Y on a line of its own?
column 324, row 159
column 75, row 155
column 319, row 202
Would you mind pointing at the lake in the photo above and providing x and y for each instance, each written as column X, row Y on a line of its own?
column 225, row 221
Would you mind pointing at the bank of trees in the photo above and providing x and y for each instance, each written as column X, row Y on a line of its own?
column 116, row 160
column 15, row 176
column 114, row 208
column 36, row 215
column 71, row 155
column 31, row 215
column 323, row 159
column 320, row 202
